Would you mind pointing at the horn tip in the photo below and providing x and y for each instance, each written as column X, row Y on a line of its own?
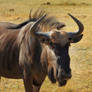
column 70, row 15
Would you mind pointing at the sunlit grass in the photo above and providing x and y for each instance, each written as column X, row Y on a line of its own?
column 81, row 53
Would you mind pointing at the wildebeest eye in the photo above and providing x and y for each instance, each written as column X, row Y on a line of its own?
column 42, row 40
column 45, row 40
column 70, row 39
column 52, row 45
column 55, row 46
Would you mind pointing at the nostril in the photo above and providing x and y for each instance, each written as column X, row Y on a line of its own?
column 63, row 73
column 60, row 74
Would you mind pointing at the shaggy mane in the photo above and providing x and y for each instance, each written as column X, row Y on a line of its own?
column 50, row 22
column 47, row 24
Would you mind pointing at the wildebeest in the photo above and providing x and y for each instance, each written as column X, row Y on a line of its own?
column 36, row 48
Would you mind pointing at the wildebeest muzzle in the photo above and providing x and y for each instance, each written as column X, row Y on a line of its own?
column 62, row 76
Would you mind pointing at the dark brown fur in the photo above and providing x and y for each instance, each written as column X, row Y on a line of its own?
column 29, row 52
column 21, row 55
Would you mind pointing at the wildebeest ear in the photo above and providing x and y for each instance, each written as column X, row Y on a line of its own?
column 76, row 38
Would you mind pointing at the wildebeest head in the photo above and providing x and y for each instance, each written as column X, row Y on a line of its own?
column 59, row 43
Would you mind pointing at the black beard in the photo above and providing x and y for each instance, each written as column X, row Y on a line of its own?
column 51, row 75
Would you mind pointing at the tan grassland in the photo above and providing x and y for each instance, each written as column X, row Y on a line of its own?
column 17, row 11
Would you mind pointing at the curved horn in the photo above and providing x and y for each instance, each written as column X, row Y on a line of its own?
column 80, row 25
column 34, row 26
column 43, row 34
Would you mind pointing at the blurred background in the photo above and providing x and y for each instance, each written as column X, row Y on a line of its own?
column 17, row 11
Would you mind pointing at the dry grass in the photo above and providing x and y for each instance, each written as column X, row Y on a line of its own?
column 81, row 53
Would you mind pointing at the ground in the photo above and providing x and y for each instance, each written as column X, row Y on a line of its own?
column 17, row 11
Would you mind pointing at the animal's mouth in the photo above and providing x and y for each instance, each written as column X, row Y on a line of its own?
column 62, row 83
